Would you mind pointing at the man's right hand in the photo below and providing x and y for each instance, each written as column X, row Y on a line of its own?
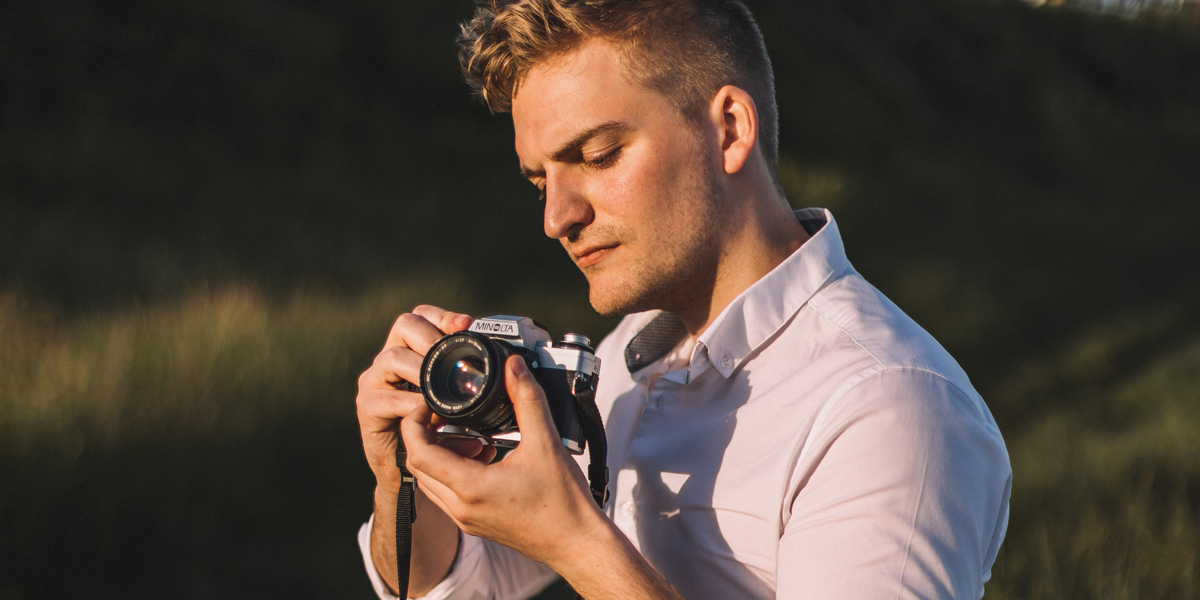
column 381, row 405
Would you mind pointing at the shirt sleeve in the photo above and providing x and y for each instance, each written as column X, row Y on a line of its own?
column 482, row 570
column 902, row 492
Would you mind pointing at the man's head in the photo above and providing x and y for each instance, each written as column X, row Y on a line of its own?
column 685, row 50
column 639, row 145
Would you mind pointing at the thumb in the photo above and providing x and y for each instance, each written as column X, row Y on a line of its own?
column 529, row 404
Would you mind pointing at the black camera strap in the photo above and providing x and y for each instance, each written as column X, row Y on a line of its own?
column 406, row 515
column 593, row 433
column 597, row 444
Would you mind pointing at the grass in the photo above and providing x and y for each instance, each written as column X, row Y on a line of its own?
column 193, row 447
column 208, row 446
column 1105, row 471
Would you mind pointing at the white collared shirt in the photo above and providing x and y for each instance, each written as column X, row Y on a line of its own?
column 814, row 442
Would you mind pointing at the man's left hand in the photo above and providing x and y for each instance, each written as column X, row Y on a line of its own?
column 535, row 501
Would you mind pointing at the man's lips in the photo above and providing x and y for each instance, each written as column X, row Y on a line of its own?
column 586, row 257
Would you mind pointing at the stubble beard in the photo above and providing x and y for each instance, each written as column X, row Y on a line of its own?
column 684, row 274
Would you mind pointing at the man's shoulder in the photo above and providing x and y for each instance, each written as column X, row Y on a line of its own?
column 857, row 314
column 880, row 361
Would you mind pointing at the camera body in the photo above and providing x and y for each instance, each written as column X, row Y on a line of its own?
column 462, row 379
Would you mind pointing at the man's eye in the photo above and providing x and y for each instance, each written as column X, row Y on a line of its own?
column 604, row 162
column 541, row 194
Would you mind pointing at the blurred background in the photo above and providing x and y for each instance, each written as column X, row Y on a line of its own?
column 210, row 213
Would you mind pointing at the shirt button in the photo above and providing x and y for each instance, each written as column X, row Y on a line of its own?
column 627, row 508
column 726, row 362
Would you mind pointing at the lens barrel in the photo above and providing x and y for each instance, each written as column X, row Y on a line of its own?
column 462, row 378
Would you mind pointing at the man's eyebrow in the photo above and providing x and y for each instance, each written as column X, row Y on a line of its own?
column 574, row 143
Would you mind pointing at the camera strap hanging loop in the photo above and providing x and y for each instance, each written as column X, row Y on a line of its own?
column 584, row 391
column 406, row 515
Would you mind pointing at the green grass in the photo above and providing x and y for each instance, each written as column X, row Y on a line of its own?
column 208, row 446
column 1105, row 466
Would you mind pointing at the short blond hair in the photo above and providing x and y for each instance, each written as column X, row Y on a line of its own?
column 686, row 50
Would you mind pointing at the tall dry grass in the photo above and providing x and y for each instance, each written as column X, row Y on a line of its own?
column 1106, row 466
column 208, row 447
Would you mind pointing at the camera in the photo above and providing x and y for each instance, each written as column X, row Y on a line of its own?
column 462, row 379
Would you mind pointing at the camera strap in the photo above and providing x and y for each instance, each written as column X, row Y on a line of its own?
column 597, row 444
column 593, row 433
column 406, row 515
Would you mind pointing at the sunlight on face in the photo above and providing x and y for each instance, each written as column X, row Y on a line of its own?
column 629, row 185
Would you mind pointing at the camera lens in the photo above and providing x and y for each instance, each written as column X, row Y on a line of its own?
column 466, row 379
column 463, row 382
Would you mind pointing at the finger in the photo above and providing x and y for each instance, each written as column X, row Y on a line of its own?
column 447, row 321
column 529, row 405
column 472, row 448
column 464, row 447
column 378, row 410
column 413, row 331
column 444, row 496
column 425, row 455
column 390, row 367
column 486, row 455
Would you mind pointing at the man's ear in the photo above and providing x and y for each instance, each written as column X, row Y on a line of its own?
column 733, row 112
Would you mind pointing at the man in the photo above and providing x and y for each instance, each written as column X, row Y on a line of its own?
column 777, row 428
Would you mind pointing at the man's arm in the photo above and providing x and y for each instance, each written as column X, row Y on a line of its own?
column 535, row 501
column 435, row 542
column 381, row 405
column 904, row 494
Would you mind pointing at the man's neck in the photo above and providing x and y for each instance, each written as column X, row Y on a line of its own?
column 751, row 248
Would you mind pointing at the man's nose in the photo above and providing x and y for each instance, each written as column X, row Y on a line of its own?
column 567, row 207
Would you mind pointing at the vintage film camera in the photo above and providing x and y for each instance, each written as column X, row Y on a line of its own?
column 462, row 379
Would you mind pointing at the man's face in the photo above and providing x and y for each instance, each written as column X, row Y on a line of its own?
column 629, row 185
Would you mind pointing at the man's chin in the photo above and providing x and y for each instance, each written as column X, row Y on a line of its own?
column 614, row 299
column 606, row 307
column 606, row 299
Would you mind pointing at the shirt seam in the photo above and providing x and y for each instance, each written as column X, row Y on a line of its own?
column 865, row 374
column 819, row 420
column 853, row 337
column 883, row 367
column 912, row 528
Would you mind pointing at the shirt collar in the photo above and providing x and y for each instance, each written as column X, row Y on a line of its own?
column 763, row 308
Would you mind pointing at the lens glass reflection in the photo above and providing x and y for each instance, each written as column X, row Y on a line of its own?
column 466, row 379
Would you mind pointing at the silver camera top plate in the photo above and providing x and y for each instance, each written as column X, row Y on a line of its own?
column 518, row 331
